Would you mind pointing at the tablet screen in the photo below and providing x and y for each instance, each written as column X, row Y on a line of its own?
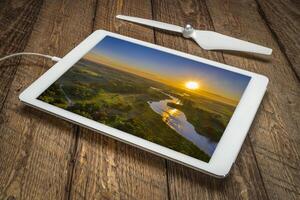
column 181, row 104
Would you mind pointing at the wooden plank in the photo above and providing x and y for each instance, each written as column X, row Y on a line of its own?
column 36, row 148
column 105, row 168
column 275, row 132
column 16, row 22
column 244, row 182
column 283, row 18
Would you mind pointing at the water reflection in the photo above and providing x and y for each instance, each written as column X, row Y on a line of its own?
column 177, row 120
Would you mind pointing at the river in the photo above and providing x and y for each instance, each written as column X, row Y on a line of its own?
column 177, row 120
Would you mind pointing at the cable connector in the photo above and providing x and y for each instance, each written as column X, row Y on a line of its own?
column 55, row 59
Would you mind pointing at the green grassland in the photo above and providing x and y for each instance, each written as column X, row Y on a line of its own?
column 207, row 119
column 119, row 99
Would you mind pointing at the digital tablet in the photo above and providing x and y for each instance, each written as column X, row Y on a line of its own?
column 188, row 109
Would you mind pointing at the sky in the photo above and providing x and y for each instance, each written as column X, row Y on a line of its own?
column 169, row 68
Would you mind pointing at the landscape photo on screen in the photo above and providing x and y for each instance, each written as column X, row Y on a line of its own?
column 169, row 100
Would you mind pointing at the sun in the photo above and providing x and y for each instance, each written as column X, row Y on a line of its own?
column 192, row 85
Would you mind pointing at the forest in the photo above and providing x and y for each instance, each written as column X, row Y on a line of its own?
column 120, row 99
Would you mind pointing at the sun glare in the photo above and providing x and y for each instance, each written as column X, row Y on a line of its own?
column 192, row 85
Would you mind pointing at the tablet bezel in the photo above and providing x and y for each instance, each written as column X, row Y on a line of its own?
column 229, row 145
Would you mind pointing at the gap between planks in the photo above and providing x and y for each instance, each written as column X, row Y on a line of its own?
column 76, row 130
column 276, row 38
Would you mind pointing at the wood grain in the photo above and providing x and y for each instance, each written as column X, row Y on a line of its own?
column 105, row 168
column 42, row 157
column 17, row 18
column 36, row 148
column 244, row 182
column 275, row 132
column 283, row 18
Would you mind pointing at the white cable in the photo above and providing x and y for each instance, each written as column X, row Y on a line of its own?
column 53, row 58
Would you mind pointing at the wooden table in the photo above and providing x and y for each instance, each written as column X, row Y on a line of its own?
column 43, row 157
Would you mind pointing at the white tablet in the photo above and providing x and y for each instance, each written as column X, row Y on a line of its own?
column 184, row 108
